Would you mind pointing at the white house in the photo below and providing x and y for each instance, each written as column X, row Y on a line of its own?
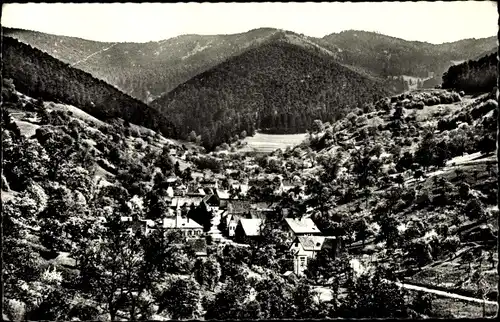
column 301, row 227
column 306, row 247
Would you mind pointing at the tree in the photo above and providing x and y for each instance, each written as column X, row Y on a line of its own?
column 207, row 272
column 181, row 299
column 468, row 258
column 305, row 306
column 388, row 229
column 374, row 297
column 420, row 252
column 487, row 144
column 362, row 229
column 317, row 126
column 192, row 136
column 398, row 113
column 422, row 303
column 274, row 296
column 230, row 303
column 474, row 209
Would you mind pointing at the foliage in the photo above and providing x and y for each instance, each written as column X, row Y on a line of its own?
column 473, row 76
column 181, row 299
column 207, row 272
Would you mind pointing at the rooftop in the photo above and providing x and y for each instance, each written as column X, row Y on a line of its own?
column 251, row 227
column 180, row 223
column 302, row 226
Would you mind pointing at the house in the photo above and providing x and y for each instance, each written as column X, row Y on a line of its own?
column 301, row 227
column 198, row 246
column 232, row 221
column 248, row 229
column 171, row 181
column 306, row 247
column 189, row 227
column 222, row 197
column 198, row 192
column 238, row 207
column 210, row 203
column 210, row 183
column 287, row 185
column 242, row 189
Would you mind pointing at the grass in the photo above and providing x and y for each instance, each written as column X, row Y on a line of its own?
column 27, row 129
column 452, row 308
column 261, row 142
column 78, row 113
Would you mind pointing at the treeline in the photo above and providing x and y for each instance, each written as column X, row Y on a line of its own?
column 277, row 88
column 40, row 75
column 473, row 76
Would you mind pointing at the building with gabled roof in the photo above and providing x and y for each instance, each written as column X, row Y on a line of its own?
column 188, row 201
column 249, row 227
column 189, row 227
column 304, row 248
column 222, row 194
column 301, row 227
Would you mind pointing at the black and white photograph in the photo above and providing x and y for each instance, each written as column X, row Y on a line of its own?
column 249, row 161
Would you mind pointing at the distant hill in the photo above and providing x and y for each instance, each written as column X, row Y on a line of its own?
column 278, row 87
column 40, row 75
column 144, row 70
column 389, row 56
column 149, row 70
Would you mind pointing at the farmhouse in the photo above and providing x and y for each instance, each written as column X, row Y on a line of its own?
column 301, row 227
column 306, row 247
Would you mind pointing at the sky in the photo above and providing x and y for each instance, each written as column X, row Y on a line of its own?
column 434, row 22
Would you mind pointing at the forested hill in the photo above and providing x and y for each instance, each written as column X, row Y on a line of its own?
column 144, row 70
column 277, row 87
column 473, row 76
column 40, row 75
column 148, row 70
column 385, row 55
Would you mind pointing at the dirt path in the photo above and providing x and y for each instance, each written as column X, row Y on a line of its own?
column 442, row 293
column 97, row 52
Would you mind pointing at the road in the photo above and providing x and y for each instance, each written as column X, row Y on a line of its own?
column 442, row 293
column 325, row 294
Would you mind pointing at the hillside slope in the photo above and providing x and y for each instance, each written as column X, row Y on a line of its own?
column 144, row 70
column 385, row 55
column 42, row 76
column 278, row 87
column 149, row 70
column 473, row 76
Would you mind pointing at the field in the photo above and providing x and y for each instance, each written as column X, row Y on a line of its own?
column 261, row 142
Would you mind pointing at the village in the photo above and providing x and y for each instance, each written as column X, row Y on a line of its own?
column 233, row 218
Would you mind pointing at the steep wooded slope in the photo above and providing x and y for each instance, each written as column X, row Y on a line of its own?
column 277, row 87
column 40, row 75
column 144, row 70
